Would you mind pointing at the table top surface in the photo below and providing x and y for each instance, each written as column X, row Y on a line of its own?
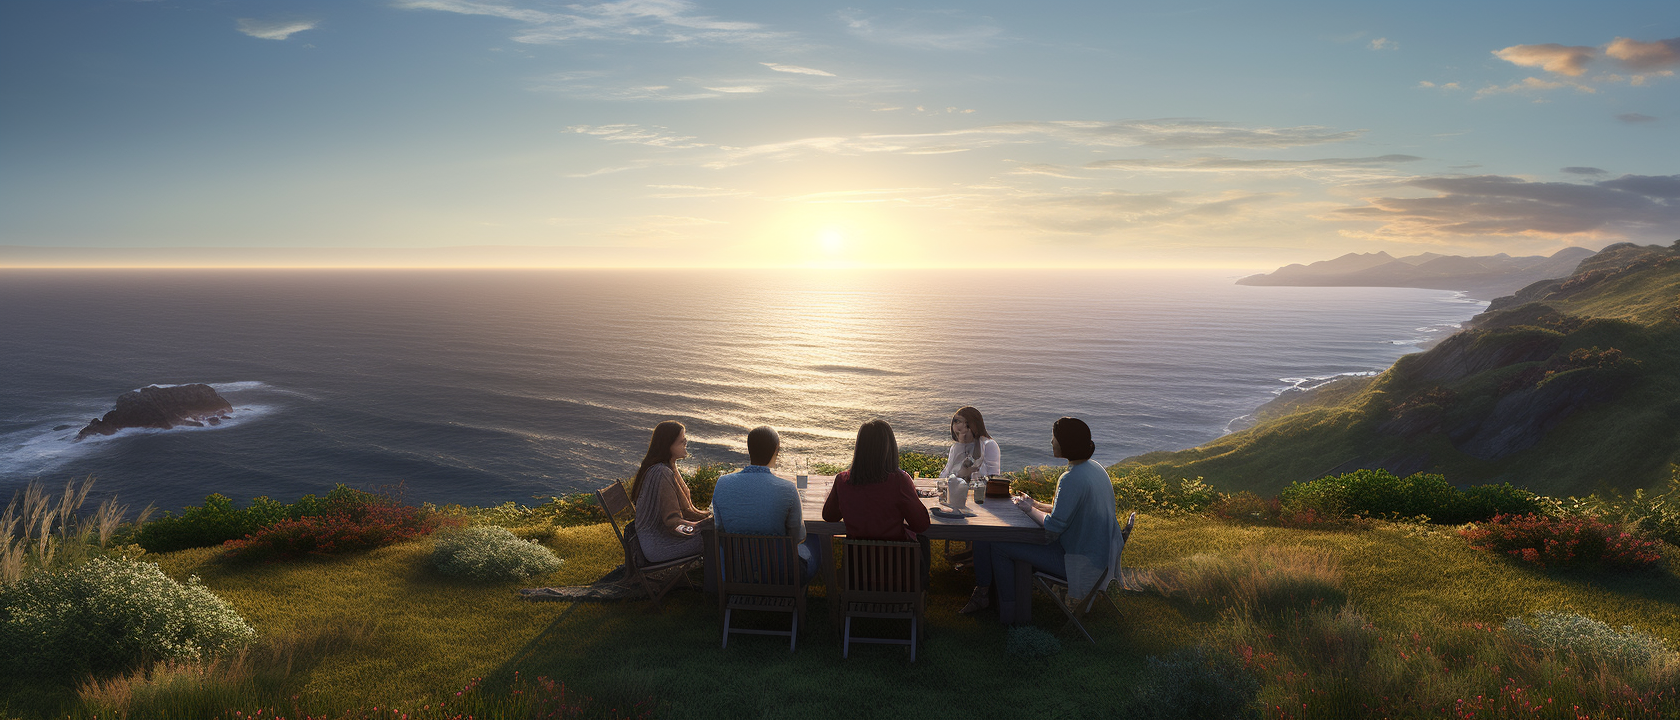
column 996, row 519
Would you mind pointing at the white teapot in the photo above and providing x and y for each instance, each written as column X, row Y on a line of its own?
column 956, row 492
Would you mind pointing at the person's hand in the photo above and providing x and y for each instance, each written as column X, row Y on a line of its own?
column 1022, row 501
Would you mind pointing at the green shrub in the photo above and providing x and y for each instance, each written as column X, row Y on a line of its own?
column 1586, row 637
column 490, row 554
column 1196, row 683
column 218, row 521
column 107, row 616
column 927, row 465
column 1379, row 493
column 1654, row 514
column 1027, row 642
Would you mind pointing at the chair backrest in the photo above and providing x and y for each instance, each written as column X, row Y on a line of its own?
column 758, row 564
column 880, row 566
column 615, row 501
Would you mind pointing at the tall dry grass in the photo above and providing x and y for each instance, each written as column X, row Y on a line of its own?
column 1262, row 580
column 262, row 673
column 39, row 534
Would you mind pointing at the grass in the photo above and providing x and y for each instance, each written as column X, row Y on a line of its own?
column 415, row 637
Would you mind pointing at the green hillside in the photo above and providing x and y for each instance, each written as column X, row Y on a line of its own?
column 1568, row 386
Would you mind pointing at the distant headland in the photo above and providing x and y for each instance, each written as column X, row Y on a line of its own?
column 1484, row 277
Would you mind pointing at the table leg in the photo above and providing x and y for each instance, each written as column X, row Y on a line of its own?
column 708, row 557
column 831, row 586
column 1023, row 592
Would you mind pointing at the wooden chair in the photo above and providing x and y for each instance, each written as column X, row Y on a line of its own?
column 616, row 502
column 881, row 579
column 760, row 573
column 1049, row 583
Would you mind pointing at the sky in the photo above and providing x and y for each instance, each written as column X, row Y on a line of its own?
column 669, row 133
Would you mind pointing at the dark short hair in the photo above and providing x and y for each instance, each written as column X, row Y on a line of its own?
column 971, row 416
column 762, row 444
column 875, row 457
column 1075, row 438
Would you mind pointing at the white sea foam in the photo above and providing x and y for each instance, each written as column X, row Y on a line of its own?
column 41, row 448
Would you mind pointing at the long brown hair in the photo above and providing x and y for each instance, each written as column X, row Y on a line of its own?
column 975, row 424
column 875, row 457
column 659, row 451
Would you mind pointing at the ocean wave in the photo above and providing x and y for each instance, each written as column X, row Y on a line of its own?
column 1303, row 384
column 51, row 444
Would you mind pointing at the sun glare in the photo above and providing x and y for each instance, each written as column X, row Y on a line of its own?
column 832, row 240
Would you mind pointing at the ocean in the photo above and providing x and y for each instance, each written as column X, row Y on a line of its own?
column 479, row 387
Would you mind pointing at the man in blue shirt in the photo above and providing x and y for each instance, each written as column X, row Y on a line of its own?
column 754, row 501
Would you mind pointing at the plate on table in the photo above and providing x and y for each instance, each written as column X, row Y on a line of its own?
column 947, row 512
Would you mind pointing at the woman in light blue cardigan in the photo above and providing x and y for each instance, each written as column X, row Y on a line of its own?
column 1080, row 524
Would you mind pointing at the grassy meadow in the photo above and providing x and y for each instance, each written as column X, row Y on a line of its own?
column 380, row 634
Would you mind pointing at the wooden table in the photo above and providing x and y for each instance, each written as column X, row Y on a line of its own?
column 997, row 520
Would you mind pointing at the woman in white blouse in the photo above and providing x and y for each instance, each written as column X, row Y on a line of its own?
column 972, row 449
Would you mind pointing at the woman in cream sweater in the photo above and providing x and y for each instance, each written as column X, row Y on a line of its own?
column 667, row 523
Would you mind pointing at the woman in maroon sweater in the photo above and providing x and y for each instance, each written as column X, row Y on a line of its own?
column 876, row 500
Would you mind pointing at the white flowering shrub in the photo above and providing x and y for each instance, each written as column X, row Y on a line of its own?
column 109, row 615
column 1582, row 635
column 490, row 553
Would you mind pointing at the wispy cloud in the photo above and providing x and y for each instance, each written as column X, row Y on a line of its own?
column 1530, row 85
column 275, row 29
column 1383, row 43
column 923, row 30
column 778, row 67
column 1635, row 118
column 1223, row 164
column 638, row 135
column 1170, row 133
column 1628, row 206
column 1109, row 210
column 1577, row 170
column 658, row 20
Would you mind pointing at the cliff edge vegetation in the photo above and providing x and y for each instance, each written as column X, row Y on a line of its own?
column 1568, row 386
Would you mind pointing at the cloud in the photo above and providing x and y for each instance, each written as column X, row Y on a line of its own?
column 734, row 89
column 1583, row 171
column 778, row 67
column 1222, row 164
column 1568, row 60
column 275, row 29
column 1631, row 205
column 1109, row 210
column 1530, row 85
column 925, row 30
column 1636, row 55
column 638, row 135
column 659, row 20
column 1635, row 118
column 1384, row 44
column 1162, row 133
column 1443, row 86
